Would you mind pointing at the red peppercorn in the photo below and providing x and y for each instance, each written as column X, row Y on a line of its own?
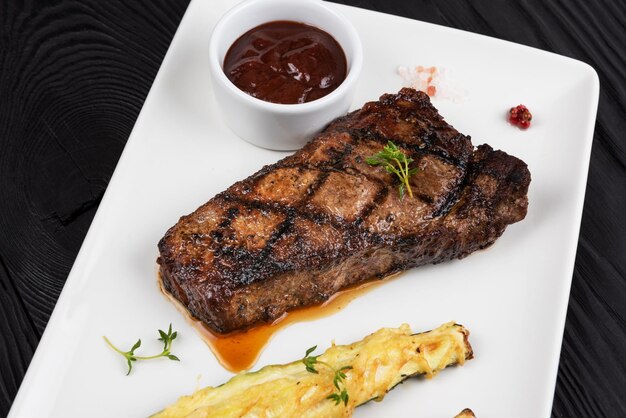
column 521, row 116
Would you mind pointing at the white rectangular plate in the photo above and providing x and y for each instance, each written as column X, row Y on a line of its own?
column 513, row 296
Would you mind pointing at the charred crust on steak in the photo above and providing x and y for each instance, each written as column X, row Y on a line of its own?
column 316, row 222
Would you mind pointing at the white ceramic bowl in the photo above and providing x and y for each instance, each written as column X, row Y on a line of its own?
column 281, row 126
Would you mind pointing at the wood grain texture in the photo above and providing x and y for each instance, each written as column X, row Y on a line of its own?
column 73, row 78
column 74, row 75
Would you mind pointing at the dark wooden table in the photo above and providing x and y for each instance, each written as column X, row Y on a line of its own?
column 74, row 75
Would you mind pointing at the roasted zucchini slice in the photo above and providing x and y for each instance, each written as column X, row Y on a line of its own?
column 378, row 363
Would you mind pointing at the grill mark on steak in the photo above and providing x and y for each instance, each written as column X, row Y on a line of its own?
column 302, row 229
column 453, row 197
column 382, row 194
column 364, row 135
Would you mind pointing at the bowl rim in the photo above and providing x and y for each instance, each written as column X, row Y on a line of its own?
column 356, row 61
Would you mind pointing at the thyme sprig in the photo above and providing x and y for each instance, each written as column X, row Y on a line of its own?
column 167, row 338
column 395, row 162
column 339, row 376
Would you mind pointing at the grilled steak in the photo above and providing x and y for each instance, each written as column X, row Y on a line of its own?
column 316, row 222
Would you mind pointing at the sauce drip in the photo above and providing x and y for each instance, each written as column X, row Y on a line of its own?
column 239, row 351
column 286, row 62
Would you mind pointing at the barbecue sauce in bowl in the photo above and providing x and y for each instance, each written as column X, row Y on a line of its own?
column 286, row 62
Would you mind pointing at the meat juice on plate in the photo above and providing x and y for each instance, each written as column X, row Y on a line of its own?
column 239, row 351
